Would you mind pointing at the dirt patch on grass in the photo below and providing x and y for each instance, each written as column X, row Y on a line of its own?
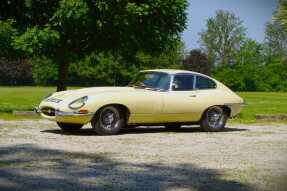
column 36, row 155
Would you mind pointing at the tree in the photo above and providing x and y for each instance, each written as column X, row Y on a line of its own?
column 106, row 68
column 281, row 13
column 97, row 69
column 276, row 39
column 68, row 30
column 171, row 57
column 249, row 61
column 197, row 61
column 243, row 75
column 223, row 37
column 7, row 32
column 14, row 68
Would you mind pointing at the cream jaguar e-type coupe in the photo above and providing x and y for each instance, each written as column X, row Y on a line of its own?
column 156, row 97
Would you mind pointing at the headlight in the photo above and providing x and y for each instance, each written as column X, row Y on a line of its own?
column 78, row 103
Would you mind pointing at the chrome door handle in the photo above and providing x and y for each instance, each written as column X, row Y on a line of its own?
column 192, row 95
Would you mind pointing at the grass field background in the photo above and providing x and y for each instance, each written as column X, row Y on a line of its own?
column 26, row 98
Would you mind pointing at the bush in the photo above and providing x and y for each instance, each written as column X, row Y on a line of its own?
column 44, row 71
column 15, row 72
column 250, row 77
column 97, row 70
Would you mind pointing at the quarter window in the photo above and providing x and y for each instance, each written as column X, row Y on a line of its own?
column 204, row 83
column 183, row 82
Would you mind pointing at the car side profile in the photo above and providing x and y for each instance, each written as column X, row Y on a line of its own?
column 156, row 97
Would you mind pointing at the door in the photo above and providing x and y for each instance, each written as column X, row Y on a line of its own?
column 188, row 99
column 182, row 102
column 146, row 101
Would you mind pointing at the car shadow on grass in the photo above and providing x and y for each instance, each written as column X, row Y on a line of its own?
column 29, row 167
column 140, row 130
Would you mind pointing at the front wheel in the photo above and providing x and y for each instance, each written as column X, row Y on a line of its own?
column 108, row 121
column 214, row 119
column 69, row 126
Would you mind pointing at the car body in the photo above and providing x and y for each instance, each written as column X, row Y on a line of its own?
column 160, row 96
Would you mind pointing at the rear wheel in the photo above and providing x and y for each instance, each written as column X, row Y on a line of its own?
column 69, row 126
column 108, row 121
column 214, row 119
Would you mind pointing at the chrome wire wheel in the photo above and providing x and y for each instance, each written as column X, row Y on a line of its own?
column 214, row 119
column 109, row 118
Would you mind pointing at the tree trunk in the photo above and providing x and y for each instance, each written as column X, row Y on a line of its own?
column 62, row 76
column 63, row 67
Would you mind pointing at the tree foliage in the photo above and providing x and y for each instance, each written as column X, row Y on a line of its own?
column 15, row 72
column 66, row 31
column 247, row 65
column 105, row 68
column 197, row 61
column 99, row 43
column 170, row 57
column 7, row 32
column 281, row 14
column 276, row 39
column 223, row 37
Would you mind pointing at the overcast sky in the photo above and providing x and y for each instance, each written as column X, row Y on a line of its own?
column 253, row 13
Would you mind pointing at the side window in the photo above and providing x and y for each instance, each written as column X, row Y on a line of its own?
column 204, row 83
column 183, row 82
column 164, row 82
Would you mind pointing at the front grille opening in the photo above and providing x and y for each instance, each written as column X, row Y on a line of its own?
column 49, row 111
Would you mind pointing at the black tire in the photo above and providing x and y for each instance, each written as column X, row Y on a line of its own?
column 214, row 119
column 108, row 121
column 69, row 126
column 173, row 126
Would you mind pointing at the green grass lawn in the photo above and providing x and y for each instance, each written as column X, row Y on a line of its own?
column 262, row 103
column 25, row 98
column 22, row 98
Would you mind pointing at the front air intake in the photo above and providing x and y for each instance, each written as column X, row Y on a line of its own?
column 49, row 111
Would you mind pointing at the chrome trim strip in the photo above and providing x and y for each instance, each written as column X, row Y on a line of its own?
column 171, row 82
column 72, row 113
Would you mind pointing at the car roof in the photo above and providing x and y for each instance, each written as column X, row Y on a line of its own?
column 174, row 71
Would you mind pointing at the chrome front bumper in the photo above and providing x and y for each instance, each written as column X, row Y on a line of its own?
column 65, row 113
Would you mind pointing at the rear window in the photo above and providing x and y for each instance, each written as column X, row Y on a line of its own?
column 204, row 83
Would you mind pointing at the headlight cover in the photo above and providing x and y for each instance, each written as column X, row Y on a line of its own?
column 47, row 96
column 78, row 103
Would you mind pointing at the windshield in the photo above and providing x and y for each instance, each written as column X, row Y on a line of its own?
column 152, row 80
